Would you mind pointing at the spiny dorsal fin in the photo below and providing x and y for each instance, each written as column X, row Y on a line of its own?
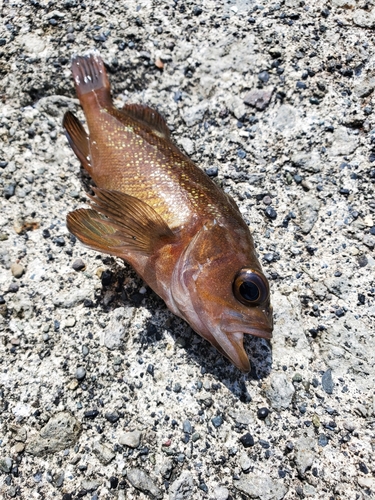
column 78, row 138
column 125, row 224
column 150, row 117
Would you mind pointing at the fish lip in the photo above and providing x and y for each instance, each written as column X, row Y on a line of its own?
column 264, row 333
column 234, row 323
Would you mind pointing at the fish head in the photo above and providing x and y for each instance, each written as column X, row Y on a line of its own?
column 220, row 289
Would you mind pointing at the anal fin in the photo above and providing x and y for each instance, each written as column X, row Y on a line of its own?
column 78, row 139
column 119, row 224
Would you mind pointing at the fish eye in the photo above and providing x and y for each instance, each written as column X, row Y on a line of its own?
column 250, row 287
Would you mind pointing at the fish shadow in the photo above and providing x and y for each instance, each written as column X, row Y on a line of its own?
column 197, row 350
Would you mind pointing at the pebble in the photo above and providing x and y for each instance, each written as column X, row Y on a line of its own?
column 245, row 462
column 61, row 432
column 186, row 427
column 258, row 485
column 17, row 270
column 322, row 440
column 221, row 493
column 194, row 114
column 280, row 391
column 364, row 18
column 327, row 382
column 112, row 417
column 262, row 413
column 69, row 322
column 114, row 333
column 247, row 440
column 6, row 464
column 80, row 373
column 142, row 481
column 270, row 213
column 132, row 439
column 13, row 287
column 308, row 210
column 78, row 265
column 103, row 452
column 217, row 421
column 304, row 454
column 259, row 98
column 90, row 485
column 182, row 487
column 19, row 448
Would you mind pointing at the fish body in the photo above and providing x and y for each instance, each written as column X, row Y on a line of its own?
column 154, row 208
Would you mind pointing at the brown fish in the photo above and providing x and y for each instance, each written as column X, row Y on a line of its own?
column 163, row 215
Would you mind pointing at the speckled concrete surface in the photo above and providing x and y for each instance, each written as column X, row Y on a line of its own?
column 104, row 393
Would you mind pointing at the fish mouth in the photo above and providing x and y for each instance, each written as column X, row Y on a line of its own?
column 234, row 326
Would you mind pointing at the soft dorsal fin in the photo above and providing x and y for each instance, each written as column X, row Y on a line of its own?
column 78, row 138
column 124, row 225
column 148, row 116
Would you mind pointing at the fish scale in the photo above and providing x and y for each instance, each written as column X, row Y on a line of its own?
column 163, row 215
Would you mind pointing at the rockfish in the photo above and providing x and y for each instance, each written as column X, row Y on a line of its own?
column 164, row 216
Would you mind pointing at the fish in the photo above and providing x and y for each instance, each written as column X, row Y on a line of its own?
column 163, row 215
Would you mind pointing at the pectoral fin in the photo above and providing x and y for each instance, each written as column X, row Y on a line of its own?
column 124, row 225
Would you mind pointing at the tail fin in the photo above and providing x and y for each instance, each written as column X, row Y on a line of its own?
column 90, row 75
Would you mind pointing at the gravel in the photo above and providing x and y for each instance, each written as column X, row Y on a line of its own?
column 274, row 100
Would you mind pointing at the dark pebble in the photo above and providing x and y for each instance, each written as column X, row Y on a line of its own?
column 264, row 444
column 203, row 487
column 113, row 482
column 186, row 427
column 298, row 179
column 53, row 22
column 217, row 421
column 13, row 288
column 197, row 11
column 301, row 85
column 362, row 261
column 327, row 382
column 372, row 230
column 270, row 213
column 150, row 370
column 282, row 474
column 344, row 191
column 67, row 496
column 363, row 468
column 3, row 164
column 78, row 265
column 340, row 312
column 106, row 277
column 212, row 171
column 177, row 388
column 269, row 257
column 80, row 373
column 112, row 417
column 2, row 300
column 241, row 154
column 264, row 76
column 247, row 440
column 137, row 298
column 262, row 413
column 91, row 414
column 46, row 233
column 9, row 191
column 88, row 303
column 322, row 440
column 361, row 299
column 289, row 447
column 59, row 241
